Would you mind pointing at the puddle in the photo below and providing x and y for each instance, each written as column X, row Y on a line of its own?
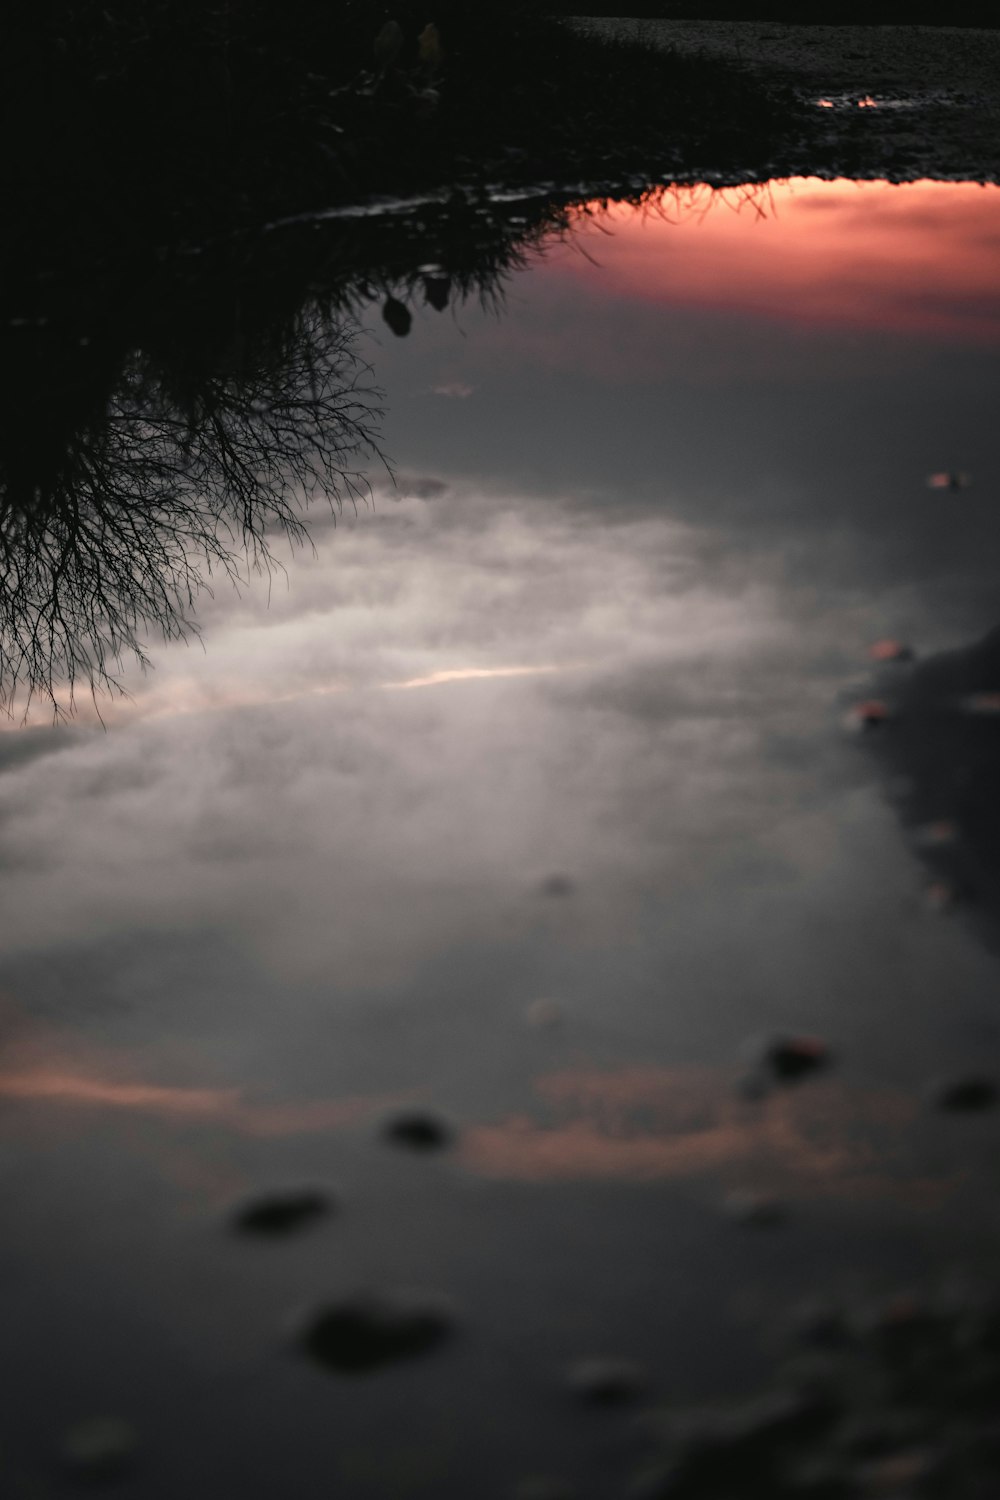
column 521, row 800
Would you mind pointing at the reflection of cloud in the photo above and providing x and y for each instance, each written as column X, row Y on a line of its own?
column 648, row 1123
column 457, row 389
column 618, row 683
column 420, row 487
column 821, row 253
column 227, row 1107
column 19, row 744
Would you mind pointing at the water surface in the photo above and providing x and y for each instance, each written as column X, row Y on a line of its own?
column 527, row 795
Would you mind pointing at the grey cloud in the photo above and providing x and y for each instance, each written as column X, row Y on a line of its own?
column 19, row 746
column 421, row 487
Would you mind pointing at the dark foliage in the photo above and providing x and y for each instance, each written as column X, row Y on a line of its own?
column 160, row 427
column 141, row 120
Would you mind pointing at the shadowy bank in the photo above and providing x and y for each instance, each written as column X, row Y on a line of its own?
column 792, row 12
column 159, row 118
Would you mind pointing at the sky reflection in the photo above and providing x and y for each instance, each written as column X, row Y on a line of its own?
column 816, row 254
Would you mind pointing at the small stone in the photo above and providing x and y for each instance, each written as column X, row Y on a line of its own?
column 965, row 1095
column 607, row 1382
column 787, row 1059
column 868, row 715
column 755, row 1210
column 419, row 1131
column 283, row 1212
column 558, row 885
column 370, row 1330
column 100, row 1447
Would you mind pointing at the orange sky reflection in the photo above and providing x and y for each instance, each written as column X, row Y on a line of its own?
column 915, row 258
column 228, row 1107
column 649, row 1124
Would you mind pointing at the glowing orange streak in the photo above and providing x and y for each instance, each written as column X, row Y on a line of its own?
column 227, row 1106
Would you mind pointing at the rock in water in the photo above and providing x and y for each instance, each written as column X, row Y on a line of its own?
column 607, row 1382
column 787, row 1059
column 417, row 1131
column 965, row 1094
column 282, row 1212
column 370, row 1330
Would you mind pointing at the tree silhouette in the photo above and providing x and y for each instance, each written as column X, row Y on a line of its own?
column 159, row 491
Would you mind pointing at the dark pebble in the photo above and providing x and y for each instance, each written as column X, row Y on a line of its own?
column 870, row 715
column 787, row 1059
column 284, row 1212
column 418, row 1131
column 370, row 1330
column 607, row 1382
column 965, row 1094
